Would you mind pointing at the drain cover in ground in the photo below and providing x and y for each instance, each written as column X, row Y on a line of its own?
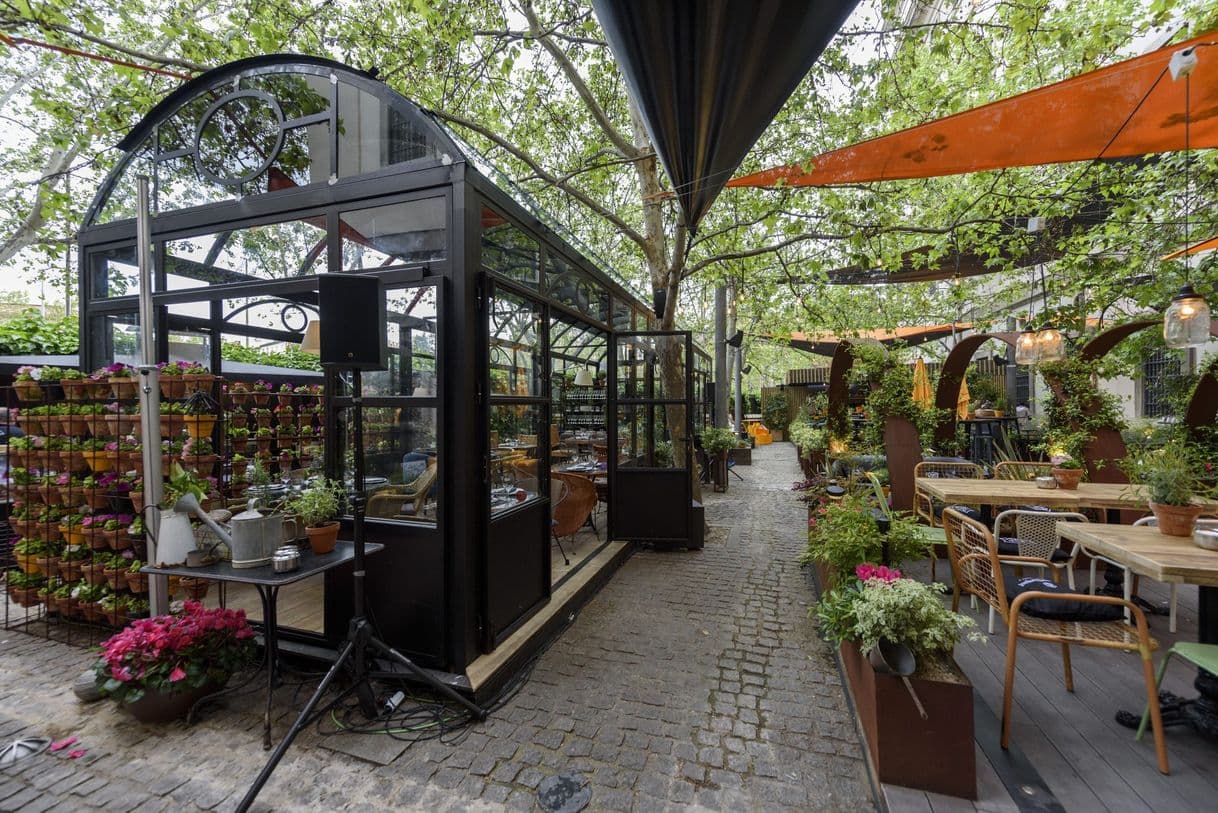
column 564, row 793
column 23, row 748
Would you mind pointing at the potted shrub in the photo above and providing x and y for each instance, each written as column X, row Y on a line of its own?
column 157, row 668
column 74, row 383
column 1172, row 476
column 717, row 442
column 844, row 534
column 261, row 393
column 196, row 378
column 774, row 414
column 866, row 614
column 26, row 384
column 317, row 506
column 71, row 560
column 1065, row 451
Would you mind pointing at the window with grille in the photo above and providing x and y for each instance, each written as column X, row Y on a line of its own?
column 1161, row 371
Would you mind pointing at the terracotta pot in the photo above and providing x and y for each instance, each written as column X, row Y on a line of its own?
column 172, row 386
column 91, row 610
column 195, row 588
column 48, row 564
column 118, row 424
column 136, row 582
column 1067, row 478
column 124, row 387
column 69, row 569
column 116, row 577
column 74, row 425
column 97, row 541
column 239, row 398
column 96, row 423
column 260, row 398
column 28, row 391
column 165, row 707
column 74, row 389
column 239, row 420
column 28, row 563
column 74, row 462
column 94, row 574
column 25, row 596
column 137, row 501
column 1176, row 520
column 322, row 539
column 197, row 381
column 116, row 618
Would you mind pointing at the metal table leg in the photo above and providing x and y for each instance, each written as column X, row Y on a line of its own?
column 270, row 639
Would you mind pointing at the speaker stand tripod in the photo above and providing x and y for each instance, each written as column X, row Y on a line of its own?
column 353, row 657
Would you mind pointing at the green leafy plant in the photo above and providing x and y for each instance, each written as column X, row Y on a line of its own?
column 1172, row 475
column 30, row 332
column 807, row 438
column 774, row 412
column 716, row 440
column 318, row 503
column 844, row 535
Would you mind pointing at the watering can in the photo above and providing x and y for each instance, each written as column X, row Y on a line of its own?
column 888, row 658
column 251, row 536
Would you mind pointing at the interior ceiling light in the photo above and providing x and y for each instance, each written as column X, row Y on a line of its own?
column 1186, row 322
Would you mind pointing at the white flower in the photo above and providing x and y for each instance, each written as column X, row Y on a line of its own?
column 36, row 373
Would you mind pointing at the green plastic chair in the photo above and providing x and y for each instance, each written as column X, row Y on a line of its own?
column 1204, row 656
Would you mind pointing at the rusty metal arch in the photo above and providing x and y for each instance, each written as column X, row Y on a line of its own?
column 1101, row 344
column 951, row 373
column 1202, row 407
column 839, row 383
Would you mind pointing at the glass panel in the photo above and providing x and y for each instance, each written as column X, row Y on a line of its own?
column 189, row 345
column 621, row 315
column 298, row 95
column 275, row 251
column 303, row 159
column 249, row 357
column 514, row 436
column 121, row 203
column 180, row 186
column 115, row 337
column 239, row 139
column 659, row 444
column 507, row 250
column 651, row 367
column 577, row 383
column 575, row 289
column 401, row 463
column 114, row 273
column 412, row 326
column 514, row 326
column 399, row 234
column 372, row 135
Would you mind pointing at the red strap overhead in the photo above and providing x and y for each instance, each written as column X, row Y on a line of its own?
column 1131, row 108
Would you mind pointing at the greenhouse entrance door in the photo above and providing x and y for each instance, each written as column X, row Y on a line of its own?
column 650, row 449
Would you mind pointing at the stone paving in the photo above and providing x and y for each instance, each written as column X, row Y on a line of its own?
column 693, row 680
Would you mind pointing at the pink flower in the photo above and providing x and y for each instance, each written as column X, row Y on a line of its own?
column 868, row 572
column 177, row 674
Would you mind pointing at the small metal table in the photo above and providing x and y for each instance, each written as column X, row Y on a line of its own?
column 268, row 582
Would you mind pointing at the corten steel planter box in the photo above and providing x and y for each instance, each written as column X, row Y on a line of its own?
column 936, row 754
column 812, row 462
column 741, row 457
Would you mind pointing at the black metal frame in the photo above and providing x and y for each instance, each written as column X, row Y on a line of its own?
column 432, row 572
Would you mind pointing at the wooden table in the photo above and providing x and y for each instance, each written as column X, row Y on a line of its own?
column 1110, row 496
column 1171, row 559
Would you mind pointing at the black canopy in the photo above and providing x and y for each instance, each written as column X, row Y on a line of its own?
column 710, row 75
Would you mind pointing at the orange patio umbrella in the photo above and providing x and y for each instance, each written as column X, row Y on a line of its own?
column 921, row 385
column 1130, row 108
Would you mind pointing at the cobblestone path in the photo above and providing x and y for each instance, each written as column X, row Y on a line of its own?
column 693, row 680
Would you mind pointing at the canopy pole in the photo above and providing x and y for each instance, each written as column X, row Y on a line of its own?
column 150, row 398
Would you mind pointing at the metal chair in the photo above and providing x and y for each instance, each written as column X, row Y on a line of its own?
column 1203, row 656
column 980, row 571
column 1129, row 576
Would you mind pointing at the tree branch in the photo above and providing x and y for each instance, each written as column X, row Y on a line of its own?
column 544, row 175
column 754, row 252
column 123, row 49
column 525, row 35
column 623, row 145
column 26, row 233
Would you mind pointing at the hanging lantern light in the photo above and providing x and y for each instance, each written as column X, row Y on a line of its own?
column 1187, row 320
column 1025, row 347
column 1050, row 345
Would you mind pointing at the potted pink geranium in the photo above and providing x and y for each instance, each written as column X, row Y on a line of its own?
column 157, row 668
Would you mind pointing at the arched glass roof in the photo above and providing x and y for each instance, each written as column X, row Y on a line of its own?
column 265, row 125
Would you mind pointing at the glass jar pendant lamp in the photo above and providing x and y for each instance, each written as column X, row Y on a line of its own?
column 1050, row 345
column 1025, row 347
column 1187, row 320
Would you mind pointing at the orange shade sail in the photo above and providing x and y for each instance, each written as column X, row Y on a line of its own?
column 1093, row 115
column 1193, row 250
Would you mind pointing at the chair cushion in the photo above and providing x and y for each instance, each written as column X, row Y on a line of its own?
column 968, row 511
column 1009, row 546
column 1059, row 609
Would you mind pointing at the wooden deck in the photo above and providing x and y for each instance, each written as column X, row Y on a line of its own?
column 1086, row 760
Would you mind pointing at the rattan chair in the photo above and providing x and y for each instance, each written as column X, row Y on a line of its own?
column 979, row 571
column 403, row 501
column 924, row 504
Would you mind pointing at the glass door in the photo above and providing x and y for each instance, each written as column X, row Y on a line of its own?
column 650, row 449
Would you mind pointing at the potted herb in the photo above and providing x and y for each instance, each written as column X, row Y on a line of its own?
column 23, row 587
column 172, row 385
column 261, row 392
column 1172, row 476
column 136, row 578
column 26, row 384
column 196, row 378
column 75, row 384
column 157, row 668
column 240, row 464
column 27, row 551
column 317, row 506
column 1065, row 451
column 122, row 380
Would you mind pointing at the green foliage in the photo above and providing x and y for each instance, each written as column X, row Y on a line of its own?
column 318, row 503
column 290, row 357
column 1173, row 475
column 808, row 438
column 903, row 611
column 32, row 333
column 844, row 535
column 774, row 412
column 716, row 440
column 1074, row 420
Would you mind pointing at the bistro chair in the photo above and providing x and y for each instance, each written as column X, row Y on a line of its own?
column 1040, row 610
column 558, row 494
column 925, row 506
column 400, row 502
column 1203, row 656
column 1035, row 535
column 574, row 510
